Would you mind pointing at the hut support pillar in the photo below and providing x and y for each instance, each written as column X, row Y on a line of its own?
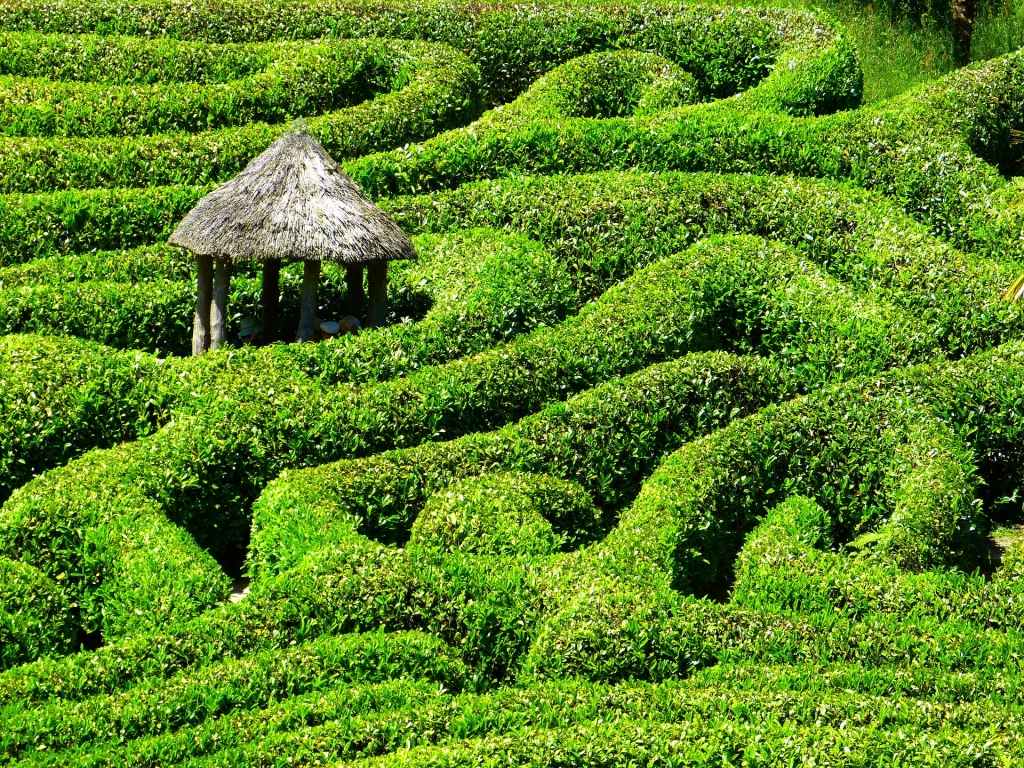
column 356, row 295
column 307, row 310
column 271, row 296
column 219, row 310
column 204, row 295
column 377, row 277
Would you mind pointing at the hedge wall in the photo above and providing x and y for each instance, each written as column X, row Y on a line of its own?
column 735, row 435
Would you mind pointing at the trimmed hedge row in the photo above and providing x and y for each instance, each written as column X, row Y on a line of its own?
column 482, row 286
column 218, row 460
column 232, row 501
column 34, row 616
column 936, row 152
column 137, row 265
column 298, row 80
column 844, row 448
column 77, row 222
column 152, row 316
column 435, row 88
column 726, row 51
column 235, row 685
column 64, row 395
column 507, row 514
column 740, row 293
column 593, row 437
column 121, row 60
column 344, row 724
column 848, row 448
column 605, row 226
column 786, row 564
column 600, row 85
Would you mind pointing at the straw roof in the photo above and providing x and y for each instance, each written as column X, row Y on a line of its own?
column 292, row 202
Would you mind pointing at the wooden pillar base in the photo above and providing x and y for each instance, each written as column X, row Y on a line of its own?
column 219, row 309
column 356, row 294
column 307, row 310
column 271, row 297
column 377, row 278
column 204, row 295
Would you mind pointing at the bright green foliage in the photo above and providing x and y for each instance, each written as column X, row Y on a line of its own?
column 506, row 515
column 34, row 618
column 693, row 434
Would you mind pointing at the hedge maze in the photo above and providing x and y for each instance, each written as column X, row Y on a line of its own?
column 695, row 435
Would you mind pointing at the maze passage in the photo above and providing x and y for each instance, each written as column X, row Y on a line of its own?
column 693, row 431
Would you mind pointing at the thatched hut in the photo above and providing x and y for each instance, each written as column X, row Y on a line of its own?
column 292, row 202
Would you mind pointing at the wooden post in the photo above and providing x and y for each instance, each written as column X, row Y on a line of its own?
column 219, row 311
column 271, row 297
column 307, row 309
column 204, row 295
column 356, row 294
column 377, row 277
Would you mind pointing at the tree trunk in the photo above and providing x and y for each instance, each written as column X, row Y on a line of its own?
column 204, row 295
column 963, row 31
column 271, row 298
column 307, row 310
column 356, row 294
column 377, row 312
column 219, row 311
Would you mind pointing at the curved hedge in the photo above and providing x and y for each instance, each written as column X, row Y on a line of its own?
column 688, row 298
column 405, row 91
column 295, row 80
column 744, row 437
column 511, row 45
column 507, row 514
column 34, row 618
column 937, row 152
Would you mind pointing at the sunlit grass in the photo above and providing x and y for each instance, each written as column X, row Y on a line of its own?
column 899, row 54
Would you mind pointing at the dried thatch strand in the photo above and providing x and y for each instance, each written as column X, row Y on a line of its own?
column 294, row 203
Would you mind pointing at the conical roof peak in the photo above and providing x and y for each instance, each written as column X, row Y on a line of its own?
column 294, row 203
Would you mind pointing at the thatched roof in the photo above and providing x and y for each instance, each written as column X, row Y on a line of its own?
column 292, row 202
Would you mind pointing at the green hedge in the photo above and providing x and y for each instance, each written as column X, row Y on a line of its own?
column 75, row 222
column 298, row 80
column 739, row 293
column 861, row 238
column 249, row 457
column 848, row 448
column 697, row 395
column 378, row 719
column 34, row 615
column 786, row 564
column 238, row 684
column 437, row 91
column 725, row 51
column 64, row 395
column 507, row 514
column 481, row 286
column 121, row 60
column 850, row 452
column 936, row 152
column 203, row 470
column 606, row 225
